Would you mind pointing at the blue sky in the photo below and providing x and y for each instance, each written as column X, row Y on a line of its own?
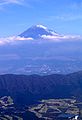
column 63, row 16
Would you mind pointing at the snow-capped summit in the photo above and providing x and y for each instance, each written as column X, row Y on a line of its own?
column 37, row 31
column 41, row 26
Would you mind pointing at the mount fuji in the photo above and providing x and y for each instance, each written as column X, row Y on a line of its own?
column 39, row 50
column 37, row 31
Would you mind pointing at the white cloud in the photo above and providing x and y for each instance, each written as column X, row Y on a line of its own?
column 62, row 37
column 1, row 42
column 4, row 2
column 52, row 38
column 13, row 39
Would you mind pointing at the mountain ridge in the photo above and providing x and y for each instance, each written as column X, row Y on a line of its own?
column 26, row 89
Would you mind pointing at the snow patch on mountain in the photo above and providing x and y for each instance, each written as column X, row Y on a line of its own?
column 41, row 26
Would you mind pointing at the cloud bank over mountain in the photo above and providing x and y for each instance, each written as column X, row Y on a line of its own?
column 39, row 50
column 62, row 38
column 40, row 33
column 13, row 39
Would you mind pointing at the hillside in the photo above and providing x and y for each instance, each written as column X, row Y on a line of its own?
column 28, row 89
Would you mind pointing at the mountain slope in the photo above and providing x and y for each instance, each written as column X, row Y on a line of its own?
column 28, row 89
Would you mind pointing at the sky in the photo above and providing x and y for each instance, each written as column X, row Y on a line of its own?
column 62, row 16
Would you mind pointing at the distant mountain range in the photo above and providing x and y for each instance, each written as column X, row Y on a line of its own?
column 30, row 89
column 42, row 51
